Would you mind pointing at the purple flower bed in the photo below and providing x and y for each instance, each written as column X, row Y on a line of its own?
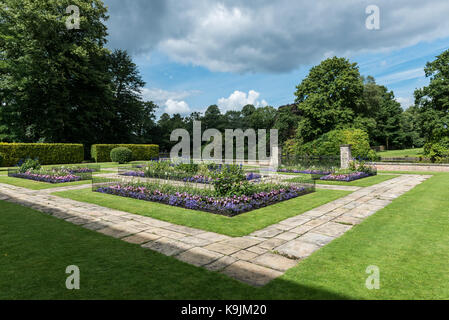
column 229, row 206
column 195, row 179
column 305, row 171
column 345, row 177
column 134, row 174
column 80, row 170
column 198, row 179
column 47, row 177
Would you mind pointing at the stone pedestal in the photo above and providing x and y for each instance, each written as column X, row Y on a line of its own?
column 345, row 156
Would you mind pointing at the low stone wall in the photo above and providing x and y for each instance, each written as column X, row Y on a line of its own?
column 426, row 167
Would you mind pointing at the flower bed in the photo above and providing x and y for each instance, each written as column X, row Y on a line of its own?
column 204, row 200
column 50, row 178
column 318, row 172
column 194, row 179
column 347, row 177
column 54, row 175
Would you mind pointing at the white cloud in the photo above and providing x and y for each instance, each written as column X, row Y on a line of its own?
column 173, row 106
column 266, row 35
column 160, row 96
column 405, row 101
column 239, row 99
column 401, row 76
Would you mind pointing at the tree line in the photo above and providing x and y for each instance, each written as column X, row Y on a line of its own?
column 60, row 85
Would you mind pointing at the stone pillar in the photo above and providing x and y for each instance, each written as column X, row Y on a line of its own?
column 345, row 155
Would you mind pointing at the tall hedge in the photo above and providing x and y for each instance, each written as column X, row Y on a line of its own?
column 47, row 153
column 102, row 152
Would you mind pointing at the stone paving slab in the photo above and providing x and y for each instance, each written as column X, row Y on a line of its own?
column 255, row 259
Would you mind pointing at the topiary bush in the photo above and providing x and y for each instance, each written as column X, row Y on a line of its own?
column 121, row 155
column 102, row 152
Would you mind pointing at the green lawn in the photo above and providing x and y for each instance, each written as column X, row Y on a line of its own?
column 408, row 241
column 365, row 182
column 36, row 185
column 408, row 153
column 240, row 225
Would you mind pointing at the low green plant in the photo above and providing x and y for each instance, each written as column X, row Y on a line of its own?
column 121, row 155
column 188, row 167
column 360, row 166
column 230, row 180
column 1, row 159
column 29, row 165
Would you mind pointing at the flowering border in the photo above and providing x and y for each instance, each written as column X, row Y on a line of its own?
column 228, row 206
column 347, row 177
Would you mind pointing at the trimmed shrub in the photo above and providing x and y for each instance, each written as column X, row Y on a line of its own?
column 1, row 159
column 102, row 152
column 329, row 144
column 121, row 155
column 30, row 164
column 46, row 153
column 437, row 151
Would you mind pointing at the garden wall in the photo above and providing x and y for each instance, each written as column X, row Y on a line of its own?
column 392, row 166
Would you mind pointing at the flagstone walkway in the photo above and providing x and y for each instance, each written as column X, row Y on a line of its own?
column 255, row 259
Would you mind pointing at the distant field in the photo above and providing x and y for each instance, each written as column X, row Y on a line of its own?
column 417, row 152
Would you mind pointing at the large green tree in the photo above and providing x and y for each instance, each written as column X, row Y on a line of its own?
column 382, row 115
column 133, row 119
column 330, row 97
column 55, row 84
column 433, row 100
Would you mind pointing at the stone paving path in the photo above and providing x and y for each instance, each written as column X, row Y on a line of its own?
column 255, row 259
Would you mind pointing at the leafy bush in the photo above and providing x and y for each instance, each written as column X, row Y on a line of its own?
column 188, row 167
column 1, row 159
column 437, row 151
column 29, row 165
column 361, row 166
column 121, row 155
column 101, row 152
column 47, row 153
column 230, row 181
column 329, row 144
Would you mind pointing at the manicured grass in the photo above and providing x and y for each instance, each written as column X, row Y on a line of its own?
column 408, row 241
column 37, row 185
column 240, row 225
column 365, row 182
column 408, row 153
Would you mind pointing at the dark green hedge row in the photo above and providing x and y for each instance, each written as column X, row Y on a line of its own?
column 47, row 153
column 102, row 152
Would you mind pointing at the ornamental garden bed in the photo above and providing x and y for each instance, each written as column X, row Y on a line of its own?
column 54, row 175
column 357, row 170
column 238, row 200
column 191, row 172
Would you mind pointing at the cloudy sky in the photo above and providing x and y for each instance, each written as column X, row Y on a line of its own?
column 194, row 53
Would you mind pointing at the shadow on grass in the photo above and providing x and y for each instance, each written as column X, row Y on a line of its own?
column 35, row 250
